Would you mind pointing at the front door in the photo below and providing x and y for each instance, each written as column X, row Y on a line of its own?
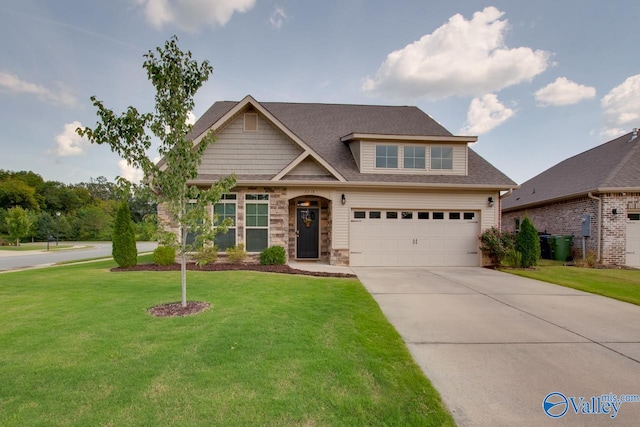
column 308, row 233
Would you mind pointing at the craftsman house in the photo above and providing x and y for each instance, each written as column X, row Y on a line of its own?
column 595, row 194
column 357, row 185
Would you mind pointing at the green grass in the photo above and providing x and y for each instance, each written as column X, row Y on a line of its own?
column 623, row 285
column 77, row 347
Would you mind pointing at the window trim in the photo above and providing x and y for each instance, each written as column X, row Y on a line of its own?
column 440, row 158
column 261, row 199
column 386, row 157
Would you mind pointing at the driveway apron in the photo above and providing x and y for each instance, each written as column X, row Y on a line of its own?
column 508, row 351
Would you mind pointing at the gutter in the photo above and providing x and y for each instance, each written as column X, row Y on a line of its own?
column 591, row 196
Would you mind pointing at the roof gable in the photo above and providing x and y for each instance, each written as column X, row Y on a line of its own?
column 614, row 165
column 320, row 128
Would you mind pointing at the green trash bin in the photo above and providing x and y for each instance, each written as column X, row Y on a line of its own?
column 562, row 247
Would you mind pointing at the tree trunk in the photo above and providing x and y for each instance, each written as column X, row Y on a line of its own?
column 183, row 275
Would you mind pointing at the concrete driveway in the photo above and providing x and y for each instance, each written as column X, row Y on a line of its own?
column 496, row 345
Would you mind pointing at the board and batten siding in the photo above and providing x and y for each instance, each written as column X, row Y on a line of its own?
column 425, row 200
column 264, row 152
column 367, row 162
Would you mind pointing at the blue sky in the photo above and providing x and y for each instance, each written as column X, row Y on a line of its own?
column 536, row 81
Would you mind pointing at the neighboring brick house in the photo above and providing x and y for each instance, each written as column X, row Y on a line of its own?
column 604, row 183
column 359, row 185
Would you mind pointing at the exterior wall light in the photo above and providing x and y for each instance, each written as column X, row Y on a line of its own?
column 343, row 199
column 490, row 200
column 614, row 211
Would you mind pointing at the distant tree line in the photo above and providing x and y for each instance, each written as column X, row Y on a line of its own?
column 73, row 212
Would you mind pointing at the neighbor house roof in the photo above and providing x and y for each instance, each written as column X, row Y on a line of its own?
column 324, row 127
column 612, row 166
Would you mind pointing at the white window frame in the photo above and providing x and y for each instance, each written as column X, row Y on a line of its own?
column 375, row 157
column 225, row 200
column 247, row 227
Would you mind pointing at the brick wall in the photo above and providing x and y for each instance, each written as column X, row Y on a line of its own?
column 564, row 218
column 560, row 218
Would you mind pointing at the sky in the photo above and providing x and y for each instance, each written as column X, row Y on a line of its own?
column 536, row 81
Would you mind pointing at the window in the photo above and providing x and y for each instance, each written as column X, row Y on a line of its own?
column 634, row 216
column 414, row 157
column 226, row 208
column 359, row 214
column 256, row 222
column 454, row 215
column 441, row 158
column 438, row 215
column 374, row 215
column 423, row 215
column 387, row 156
column 250, row 122
column 392, row 215
column 469, row 215
column 407, row 215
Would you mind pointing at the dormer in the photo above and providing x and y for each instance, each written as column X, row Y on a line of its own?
column 410, row 154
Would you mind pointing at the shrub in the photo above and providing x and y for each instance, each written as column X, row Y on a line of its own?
column 513, row 259
column 124, row 249
column 236, row 254
column 206, row 255
column 528, row 243
column 274, row 255
column 496, row 244
column 164, row 255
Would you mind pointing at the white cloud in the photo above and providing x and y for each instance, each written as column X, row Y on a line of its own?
column 464, row 58
column 564, row 92
column 191, row 15
column 13, row 84
column 277, row 18
column 69, row 143
column 485, row 113
column 621, row 106
column 130, row 173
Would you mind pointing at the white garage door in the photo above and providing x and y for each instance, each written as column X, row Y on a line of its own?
column 633, row 240
column 413, row 238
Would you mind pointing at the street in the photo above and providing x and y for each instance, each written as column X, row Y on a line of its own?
column 10, row 260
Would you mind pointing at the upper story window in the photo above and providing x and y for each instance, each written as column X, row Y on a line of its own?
column 387, row 156
column 414, row 157
column 441, row 157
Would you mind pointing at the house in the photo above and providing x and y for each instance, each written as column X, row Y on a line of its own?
column 595, row 194
column 357, row 185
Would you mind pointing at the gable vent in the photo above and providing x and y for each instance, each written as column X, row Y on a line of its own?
column 250, row 122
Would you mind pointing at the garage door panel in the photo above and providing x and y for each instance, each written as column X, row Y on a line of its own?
column 405, row 241
column 633, row 242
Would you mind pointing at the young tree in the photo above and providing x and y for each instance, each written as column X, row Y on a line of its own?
column 124, row 249
column 18, row 222
column 528, row 243
column 176, row 78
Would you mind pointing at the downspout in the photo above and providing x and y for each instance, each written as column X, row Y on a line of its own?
column 591, row 196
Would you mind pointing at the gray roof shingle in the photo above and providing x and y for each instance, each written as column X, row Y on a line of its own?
column 321, row 126
column 612, row 165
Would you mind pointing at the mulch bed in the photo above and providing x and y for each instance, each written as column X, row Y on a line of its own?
column 222, row 266
column 175, row 309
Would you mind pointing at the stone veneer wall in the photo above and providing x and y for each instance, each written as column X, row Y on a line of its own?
column 564, row 218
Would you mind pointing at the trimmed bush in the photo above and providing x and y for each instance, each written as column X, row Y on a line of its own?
column 274, row 255
column 496, row 244
column 528, row 243
column 124, row 249
column 206, row 255
column 164, row 255
column 236, row 254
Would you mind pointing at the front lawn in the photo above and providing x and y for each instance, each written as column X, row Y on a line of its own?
column 77, row 347
column 34, row 247
column 623, row 285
